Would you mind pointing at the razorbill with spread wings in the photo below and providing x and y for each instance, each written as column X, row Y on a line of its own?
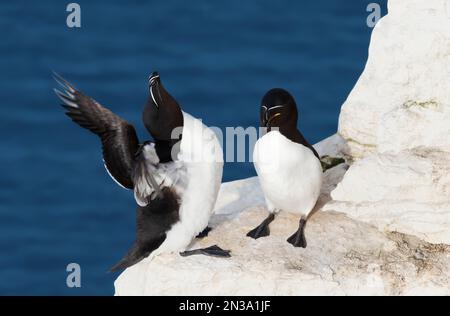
column 288, row 167
column 176, row 178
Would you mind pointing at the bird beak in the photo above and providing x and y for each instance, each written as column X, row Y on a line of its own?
column 265, row 119
column 269, row 121
column 154, row 83
column 154, row 77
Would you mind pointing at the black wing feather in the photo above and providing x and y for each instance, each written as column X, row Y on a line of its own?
column 119, row 139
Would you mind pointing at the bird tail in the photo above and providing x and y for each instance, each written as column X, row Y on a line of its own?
column 134, row 255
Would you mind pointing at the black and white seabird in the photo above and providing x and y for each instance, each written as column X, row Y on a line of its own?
column 288, row 167
column 176, row 178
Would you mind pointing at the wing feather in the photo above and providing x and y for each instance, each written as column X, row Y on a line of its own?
column 119, row 139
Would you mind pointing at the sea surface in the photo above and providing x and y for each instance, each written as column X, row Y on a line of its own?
column 218, row 58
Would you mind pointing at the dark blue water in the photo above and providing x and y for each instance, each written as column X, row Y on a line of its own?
column 57, row 205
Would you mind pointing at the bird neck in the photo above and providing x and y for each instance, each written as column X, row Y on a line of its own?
column 293, row 134
column 164, row 148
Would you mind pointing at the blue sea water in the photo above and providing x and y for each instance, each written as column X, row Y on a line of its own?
column 57, row 204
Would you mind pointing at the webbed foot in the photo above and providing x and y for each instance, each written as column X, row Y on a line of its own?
column 204, row 233
column 213, row 251
column 298, row 239
column 263, row 229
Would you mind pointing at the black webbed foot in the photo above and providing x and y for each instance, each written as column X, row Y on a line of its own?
column 213, row 251
column 298, row 239
column 263, row 229
column 204, row 233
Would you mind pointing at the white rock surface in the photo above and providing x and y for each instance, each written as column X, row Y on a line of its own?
column 344, row 256
column 396, row 124
column 406, row 192
column 402, row 99
column 382, row 225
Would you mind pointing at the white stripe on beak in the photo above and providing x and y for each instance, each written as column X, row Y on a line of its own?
column 153, row 97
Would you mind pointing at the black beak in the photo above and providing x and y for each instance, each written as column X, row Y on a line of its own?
column 154, row 83
column 154, row 78
column 267, row 118
column 264, row 116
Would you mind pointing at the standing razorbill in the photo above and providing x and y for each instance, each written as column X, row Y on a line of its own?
column 176, row 178
column 288, row 167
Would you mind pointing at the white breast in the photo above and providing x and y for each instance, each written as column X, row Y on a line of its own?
column 202, row 156
column 290, row 174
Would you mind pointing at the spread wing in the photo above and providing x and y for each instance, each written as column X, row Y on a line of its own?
column 119, row 140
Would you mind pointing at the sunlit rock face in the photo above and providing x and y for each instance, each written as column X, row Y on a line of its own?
column 382, row 223
column 396, row 126
column 345, row 256
column 402, row 99
column 407, row 192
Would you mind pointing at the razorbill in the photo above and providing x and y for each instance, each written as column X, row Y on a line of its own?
column 288, row 167
column 175, row 179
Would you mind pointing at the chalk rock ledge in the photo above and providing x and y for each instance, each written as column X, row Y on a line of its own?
column 345, row 256
column 402, row 99
column 396, row 126
column 406, row 192
column 382, row 223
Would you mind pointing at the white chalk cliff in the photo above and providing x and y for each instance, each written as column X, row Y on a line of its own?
column 382, row 223
column 396, row 125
